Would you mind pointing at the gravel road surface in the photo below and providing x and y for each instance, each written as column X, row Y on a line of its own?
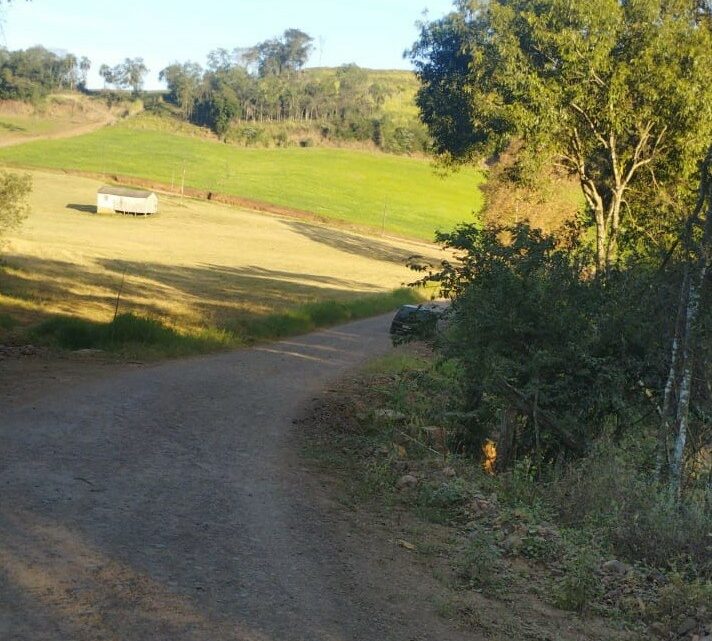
column 169, row 503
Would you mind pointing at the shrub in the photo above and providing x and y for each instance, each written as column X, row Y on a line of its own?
column 7, row 321
column 580, row 584
column 443, row 503
column 571, row 358
column 680, row 597
column 480, row 564
column 612, row 492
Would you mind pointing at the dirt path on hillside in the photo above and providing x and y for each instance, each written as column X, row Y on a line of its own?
column 168, row 502
column 66, row 133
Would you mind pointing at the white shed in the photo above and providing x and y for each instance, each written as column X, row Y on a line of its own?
column 126, row 200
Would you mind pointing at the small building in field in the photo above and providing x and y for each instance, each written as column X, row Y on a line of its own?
column 125, row 200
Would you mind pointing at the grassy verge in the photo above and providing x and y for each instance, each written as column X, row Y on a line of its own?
column 131, row 335
column 592, row 553
column 391, row 193
column 311, row 316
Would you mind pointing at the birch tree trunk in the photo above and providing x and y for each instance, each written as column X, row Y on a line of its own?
column 693, row 299
column 672, row 382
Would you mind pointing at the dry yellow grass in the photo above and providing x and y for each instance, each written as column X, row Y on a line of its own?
column 195, row 264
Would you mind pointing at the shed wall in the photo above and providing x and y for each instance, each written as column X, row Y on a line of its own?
column 126, row 204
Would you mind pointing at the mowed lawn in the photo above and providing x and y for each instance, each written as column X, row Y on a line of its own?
column 402, row 195
column 195, row 264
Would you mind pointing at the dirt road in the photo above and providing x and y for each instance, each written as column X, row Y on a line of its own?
column 71, row 132
column 168, row 503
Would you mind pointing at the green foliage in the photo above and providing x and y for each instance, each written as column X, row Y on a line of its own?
column 128, row 74
column 519, row 487
column 277, row 56
column 564, row 358
column 480, row 564
column 580, row 584
column 35, row 72
column 377, row 481
column 612, row 492
column 183, row 82
column 14, row 191
column 7, row 322
column 617, row 93
column 443, row 503
column 680, row 597
column 249, row 135
column 266, row 83
column 310, row 316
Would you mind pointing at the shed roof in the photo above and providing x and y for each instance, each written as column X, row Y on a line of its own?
column 128, row 192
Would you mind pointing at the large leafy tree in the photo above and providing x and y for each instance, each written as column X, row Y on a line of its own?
column 619, row 93
column 183, row 82
column 286, row 54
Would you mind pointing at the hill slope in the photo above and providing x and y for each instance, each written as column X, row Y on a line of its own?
column 398, row 194
column 57, row 116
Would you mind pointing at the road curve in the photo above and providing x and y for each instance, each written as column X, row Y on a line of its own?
column 167, row 504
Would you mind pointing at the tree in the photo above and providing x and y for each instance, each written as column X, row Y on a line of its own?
column 70, row 66
column 84, row 67
column 616, row 93
column 14, row 191
column 183, row 82
column 133, row 73
column 107, row 73
column 219, row 60
column 679, row 385
column 297, row 47
column 34, row 72
column 283, row 55
column 129, row 74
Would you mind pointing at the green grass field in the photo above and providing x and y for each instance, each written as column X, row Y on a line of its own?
column 399, row 194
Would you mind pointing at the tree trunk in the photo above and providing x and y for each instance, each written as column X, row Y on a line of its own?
column 673, row 379
column 601, row 241
column 692, row 309
column 612, row 224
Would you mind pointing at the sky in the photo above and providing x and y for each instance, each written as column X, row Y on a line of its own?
column 370, row 33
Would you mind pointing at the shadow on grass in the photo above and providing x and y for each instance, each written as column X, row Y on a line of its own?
column 87, row 209
column 355, row 244
column 160, row 304
column 7, row 126
column 128, row 331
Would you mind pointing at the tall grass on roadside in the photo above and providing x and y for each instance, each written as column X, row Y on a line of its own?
column 137, row 335
column 311, row 316
column 130, row 334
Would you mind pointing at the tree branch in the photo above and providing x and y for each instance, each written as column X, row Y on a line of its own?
column 590, row 123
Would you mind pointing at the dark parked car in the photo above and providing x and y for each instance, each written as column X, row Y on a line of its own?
column 415, row 322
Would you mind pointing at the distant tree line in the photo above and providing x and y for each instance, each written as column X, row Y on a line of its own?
column 32, row 73
column 265, row 83
column 240, row 92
